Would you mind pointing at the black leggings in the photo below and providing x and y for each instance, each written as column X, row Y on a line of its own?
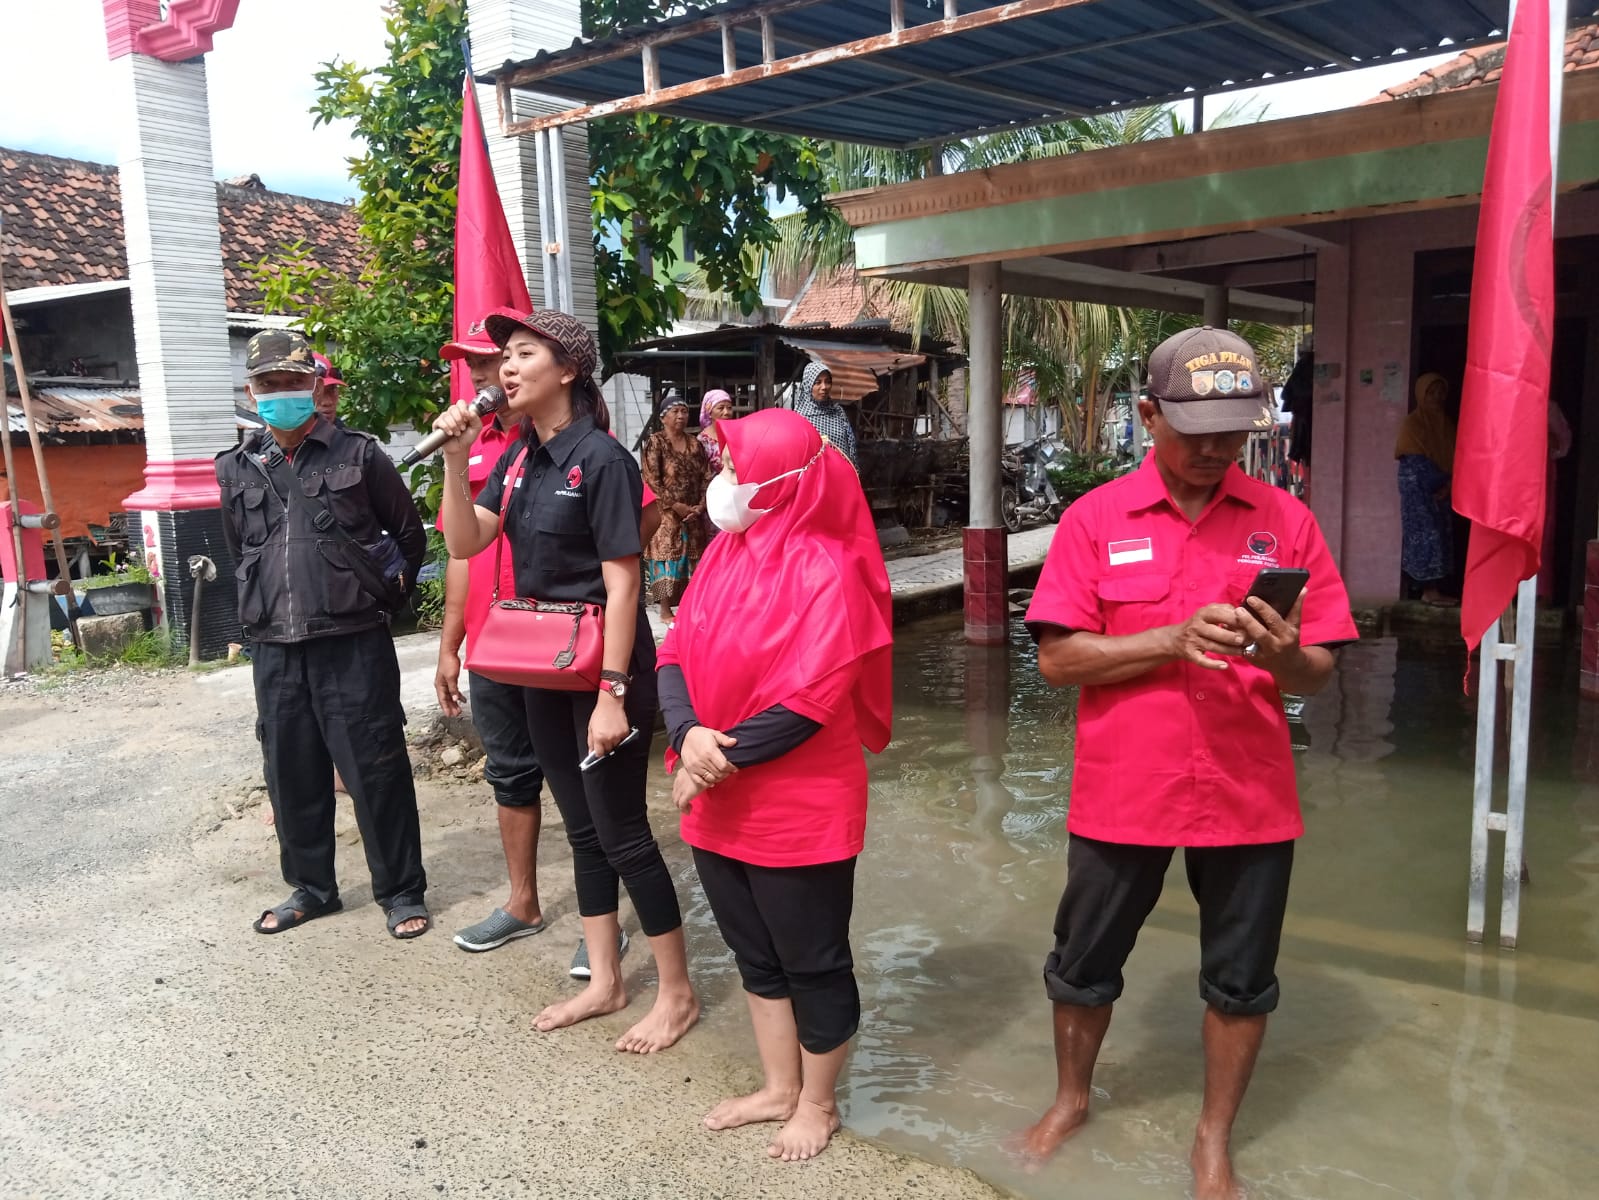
column 788, row 928
column 607, row 820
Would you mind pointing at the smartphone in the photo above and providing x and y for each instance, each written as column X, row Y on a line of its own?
column 594, row 760
column 1279, row 587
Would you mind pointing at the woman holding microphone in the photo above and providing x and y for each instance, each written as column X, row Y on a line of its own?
column 572, row 524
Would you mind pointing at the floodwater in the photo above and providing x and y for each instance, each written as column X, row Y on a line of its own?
column 1403, row 1062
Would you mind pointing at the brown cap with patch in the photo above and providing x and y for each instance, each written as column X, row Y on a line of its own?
column 1207, row 382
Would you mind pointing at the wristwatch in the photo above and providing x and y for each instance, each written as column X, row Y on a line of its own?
column 615, row 683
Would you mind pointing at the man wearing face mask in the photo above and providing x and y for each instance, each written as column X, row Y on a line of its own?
column 326, row 543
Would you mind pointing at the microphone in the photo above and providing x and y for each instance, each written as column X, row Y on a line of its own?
column 490, row 400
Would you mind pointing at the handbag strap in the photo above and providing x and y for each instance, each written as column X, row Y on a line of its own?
column 512, row 478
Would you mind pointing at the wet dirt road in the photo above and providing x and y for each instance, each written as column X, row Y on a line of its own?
column 151, row 1045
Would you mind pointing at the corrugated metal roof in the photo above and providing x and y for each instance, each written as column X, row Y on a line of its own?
column 1039, row 60
column 61, row 409
column 854, row 370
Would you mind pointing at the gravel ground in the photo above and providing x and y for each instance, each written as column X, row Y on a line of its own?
column 155, row 1047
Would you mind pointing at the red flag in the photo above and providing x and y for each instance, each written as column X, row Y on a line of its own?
column 1501, row 450
column 487, row 273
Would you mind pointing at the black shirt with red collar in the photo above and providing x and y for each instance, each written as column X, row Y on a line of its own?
column 576, row 506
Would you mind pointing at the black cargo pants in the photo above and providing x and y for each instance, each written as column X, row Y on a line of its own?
column 335, row 702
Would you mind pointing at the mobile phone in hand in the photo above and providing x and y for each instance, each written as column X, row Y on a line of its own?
column 593, row 760
column 1279, row 587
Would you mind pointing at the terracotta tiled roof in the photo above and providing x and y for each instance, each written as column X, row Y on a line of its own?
column 63, row 225
column 1482, row 65
column 843, row 297
column 829, row 298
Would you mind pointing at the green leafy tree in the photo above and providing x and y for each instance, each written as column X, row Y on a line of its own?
column 660, row 183
column 389, row 322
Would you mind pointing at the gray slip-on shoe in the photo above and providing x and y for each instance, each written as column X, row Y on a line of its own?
column 494, row 931
column 580, row 960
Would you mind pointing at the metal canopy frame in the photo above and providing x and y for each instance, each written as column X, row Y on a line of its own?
column 911, row 73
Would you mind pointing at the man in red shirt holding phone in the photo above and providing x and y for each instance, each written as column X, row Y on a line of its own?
column 1181, row 736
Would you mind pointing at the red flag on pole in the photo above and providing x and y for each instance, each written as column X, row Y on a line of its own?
column 1501, row 450
column 487, row 273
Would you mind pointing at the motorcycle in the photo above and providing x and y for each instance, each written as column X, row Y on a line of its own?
column 1028, row 495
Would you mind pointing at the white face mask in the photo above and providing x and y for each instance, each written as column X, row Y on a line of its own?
column 729, row 506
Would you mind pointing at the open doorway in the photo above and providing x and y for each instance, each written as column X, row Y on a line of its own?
column 1442, row 302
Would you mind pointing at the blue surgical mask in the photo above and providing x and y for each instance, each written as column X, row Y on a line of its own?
column 286, row 410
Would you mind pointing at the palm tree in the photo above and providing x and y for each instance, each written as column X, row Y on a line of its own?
column 1070, row 349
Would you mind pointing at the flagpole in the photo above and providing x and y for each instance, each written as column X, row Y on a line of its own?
column 1531, row 346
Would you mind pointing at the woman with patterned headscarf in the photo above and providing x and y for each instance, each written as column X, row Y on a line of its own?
column 674, row 465
column 717, row 406
column 813, row 400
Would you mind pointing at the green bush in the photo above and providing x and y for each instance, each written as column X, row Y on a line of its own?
column 428, row 599
column 114, row 572
column 1081, row 475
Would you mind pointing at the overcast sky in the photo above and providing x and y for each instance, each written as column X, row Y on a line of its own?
column 56, row 82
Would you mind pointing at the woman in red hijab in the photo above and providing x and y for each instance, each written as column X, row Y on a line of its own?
column 775, row 676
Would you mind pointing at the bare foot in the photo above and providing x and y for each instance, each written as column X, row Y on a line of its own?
column 593, row 1001
column 806, row 1134
column 413, row 926
column 667, row 1021
column 754, row 1109
column 1039, row 1141
column 1213, row 1172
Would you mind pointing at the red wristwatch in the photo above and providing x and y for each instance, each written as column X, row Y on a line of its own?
column 615, row 683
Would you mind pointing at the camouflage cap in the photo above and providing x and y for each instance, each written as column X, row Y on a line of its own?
column 278, row 350
column 1207, row 382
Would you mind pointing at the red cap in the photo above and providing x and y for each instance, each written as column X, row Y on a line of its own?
column 327, row 372
column 475, row 341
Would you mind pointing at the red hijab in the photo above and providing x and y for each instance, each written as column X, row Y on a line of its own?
column 773, row 611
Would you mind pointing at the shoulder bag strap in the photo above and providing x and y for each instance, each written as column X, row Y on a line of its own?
column 512, row 478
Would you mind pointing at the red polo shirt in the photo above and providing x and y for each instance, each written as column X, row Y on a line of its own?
column 1182, row 756
column 486, row 451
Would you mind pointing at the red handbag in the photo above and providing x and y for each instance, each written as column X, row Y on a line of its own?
column 536, row 643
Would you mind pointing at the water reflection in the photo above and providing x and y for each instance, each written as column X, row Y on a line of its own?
column 1403, row 1062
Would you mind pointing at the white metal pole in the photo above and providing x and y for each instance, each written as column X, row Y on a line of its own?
column 1520, row 727
column 1483, row 781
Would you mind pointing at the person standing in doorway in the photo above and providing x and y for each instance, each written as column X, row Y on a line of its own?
column 1425, row 451
column 326, row 543
column 813, row 400
column 1181, row 736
